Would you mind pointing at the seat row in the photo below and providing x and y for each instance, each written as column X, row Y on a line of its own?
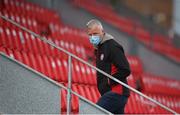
column 26, row 21
column 70, row 34
column 23, row 41
column 139, row 105
column 164, row 86
column 54, row 67
column 23, row 7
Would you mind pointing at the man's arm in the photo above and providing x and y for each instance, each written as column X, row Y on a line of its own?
column 119, row 60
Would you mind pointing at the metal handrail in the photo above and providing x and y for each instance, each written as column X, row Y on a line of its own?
column 83, row 61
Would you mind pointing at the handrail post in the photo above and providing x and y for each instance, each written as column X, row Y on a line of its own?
column 69, row 85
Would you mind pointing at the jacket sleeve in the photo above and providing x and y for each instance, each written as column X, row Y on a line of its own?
column 119, row 60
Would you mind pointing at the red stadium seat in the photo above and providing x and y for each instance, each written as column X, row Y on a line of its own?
column 9, row 42
column 32, row 43
column 76, row 74
column 53, row 65
column 94, row 93
column 32, row 61
column 40, row 46
column 81, row 91
column 3, row 50
column 75, row 100
column 2, row 37
column 88, row 93
column 9, row 52
column 65, row 69
column 89, row 76
column 74, row 104
column 25, row 59
column 40, row 64
column 16, row 40
column 61, row 74
column 63, row 100
column 18, row 55
column 47, row 66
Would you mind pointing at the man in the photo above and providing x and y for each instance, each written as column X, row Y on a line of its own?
column 111, row 59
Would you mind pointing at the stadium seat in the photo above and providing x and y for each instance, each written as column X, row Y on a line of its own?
column 8, row 35
column 2, row 49
column 95, row 94
column 88, row 93
column 25, row 58
column 53, row 65
column 18, row 55
column 17, row 44
column 2, row 37
column 63, row 101
column 40, row 64
column 47, row 66
column 61, row 74
column 32, row 60
column 65, row 69
column 76, row 74
column 9, row 52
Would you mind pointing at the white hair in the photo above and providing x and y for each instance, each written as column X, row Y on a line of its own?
column 94, row 22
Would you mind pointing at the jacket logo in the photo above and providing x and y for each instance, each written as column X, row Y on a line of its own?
column 102, row 57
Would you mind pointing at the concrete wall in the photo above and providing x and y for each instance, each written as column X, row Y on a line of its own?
column 86, row 108
column 24, row 92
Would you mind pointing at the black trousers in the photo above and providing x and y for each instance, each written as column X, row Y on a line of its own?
column 113, row 102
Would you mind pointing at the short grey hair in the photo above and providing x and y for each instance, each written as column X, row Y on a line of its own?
column 94, row 22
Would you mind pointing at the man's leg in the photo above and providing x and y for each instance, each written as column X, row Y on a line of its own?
column 120, row 109
column 113, row 102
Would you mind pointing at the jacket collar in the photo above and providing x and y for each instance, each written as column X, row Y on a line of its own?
column 106, row 37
